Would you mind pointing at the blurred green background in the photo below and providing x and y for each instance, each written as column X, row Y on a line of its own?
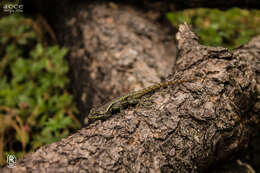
column 35, row 105
column 230, row 28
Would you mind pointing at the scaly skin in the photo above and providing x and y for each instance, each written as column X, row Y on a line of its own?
column 128, row 99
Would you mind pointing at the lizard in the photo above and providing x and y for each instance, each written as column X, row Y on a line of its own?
column 132, row 98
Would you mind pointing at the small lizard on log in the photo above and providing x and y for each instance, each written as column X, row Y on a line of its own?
column 132, row 98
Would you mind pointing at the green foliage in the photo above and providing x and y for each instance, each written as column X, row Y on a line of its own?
column 35, row 108
column 230, row 28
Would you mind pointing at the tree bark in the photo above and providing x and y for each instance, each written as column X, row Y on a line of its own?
column 182, row 128
column 114, row 49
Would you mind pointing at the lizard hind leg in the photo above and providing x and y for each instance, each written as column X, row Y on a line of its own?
column 124, row 104
column 130, row 102
column 133, row 101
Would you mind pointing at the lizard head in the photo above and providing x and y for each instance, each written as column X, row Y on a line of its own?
column 95, row 113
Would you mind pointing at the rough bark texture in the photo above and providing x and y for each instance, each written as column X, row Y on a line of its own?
column 114, row 50
column 185, row 128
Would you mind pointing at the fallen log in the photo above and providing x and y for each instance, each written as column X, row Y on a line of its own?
column 184, row 128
